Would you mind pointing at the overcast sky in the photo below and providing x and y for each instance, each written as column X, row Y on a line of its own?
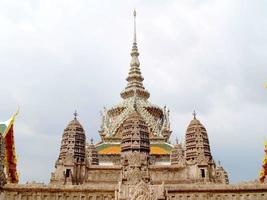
column 209, row 55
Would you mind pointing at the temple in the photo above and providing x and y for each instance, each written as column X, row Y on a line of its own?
column 134, row 158
column 135, row 152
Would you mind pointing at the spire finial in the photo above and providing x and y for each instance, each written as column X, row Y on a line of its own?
column 135, row 79
column 92, row 141
column 134, row 47
column 134, row 14
column 75, row 114
column 177, row 141
column 194, row 114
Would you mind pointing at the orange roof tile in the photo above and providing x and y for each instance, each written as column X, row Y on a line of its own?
column 111, row 150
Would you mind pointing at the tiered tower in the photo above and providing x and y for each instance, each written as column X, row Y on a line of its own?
column 73, row 141
column 134, row 156
column 135, row 150
column 70, row 166
column 198, row 155
column 197, row 141
column 135, row 135
column 134, row 99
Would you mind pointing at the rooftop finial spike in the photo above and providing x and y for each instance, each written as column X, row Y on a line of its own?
column 134, row 52
column 134, row 14
column 194, row 114
column 75, row 114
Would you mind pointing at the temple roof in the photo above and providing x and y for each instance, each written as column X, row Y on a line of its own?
column 75, row 123
column 195, row 122
column 4, row 125
column 135, row 98
column 115, row 149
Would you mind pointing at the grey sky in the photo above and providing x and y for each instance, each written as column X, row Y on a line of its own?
column 58, row 56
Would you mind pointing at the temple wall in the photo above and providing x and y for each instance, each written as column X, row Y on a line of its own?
column 167, row 174
column 109, row 159
column 103, row 174
column 49, row 192
column 174, row 174
column 106, row 192
column 250, row 191
column 220, row 196
column 158, row 173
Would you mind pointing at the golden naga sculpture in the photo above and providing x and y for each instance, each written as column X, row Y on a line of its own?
column 263, row 172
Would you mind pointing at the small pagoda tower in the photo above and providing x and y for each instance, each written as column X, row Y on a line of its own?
column 197, row 152
column 135, row 135
column 91, row 154
column 135, row 150
column 197, row 141
column 198, row 156
column 70, row 166
column 221, row 175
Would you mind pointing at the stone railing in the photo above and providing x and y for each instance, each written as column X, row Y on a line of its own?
column 54, row 192
column 244, row 191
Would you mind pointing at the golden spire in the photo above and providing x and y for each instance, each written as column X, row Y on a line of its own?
column 135, row 79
